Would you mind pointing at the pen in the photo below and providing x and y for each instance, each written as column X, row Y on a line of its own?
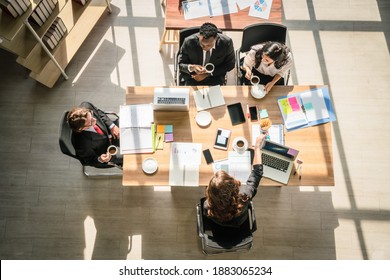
column 158, row 141
column 300, row 172
column 247, row 111
column 203, row 92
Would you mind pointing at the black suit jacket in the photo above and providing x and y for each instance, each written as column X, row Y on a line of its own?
column 90, row 145
column 222, row 56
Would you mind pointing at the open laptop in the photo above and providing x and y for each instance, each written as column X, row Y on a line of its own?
column 171, row 99
column 278, row 161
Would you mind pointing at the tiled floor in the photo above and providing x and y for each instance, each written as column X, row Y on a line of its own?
column 49, row 210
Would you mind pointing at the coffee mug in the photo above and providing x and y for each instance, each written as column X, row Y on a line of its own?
column 209, row 67
column 255, row 80
column 112, row 150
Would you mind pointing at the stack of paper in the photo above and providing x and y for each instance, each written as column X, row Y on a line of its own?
column 137, row 129
column 208, row 97
column 275, row 133
column 184, row 164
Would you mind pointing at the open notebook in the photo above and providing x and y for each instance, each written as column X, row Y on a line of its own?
column 208, row 97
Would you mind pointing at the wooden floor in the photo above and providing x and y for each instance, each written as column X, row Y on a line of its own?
column 49, row 210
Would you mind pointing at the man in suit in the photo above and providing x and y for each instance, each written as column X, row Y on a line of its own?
column 206, row 46
column 93, row 133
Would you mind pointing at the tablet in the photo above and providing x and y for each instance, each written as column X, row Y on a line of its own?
column 236, row 113
column 222, row 139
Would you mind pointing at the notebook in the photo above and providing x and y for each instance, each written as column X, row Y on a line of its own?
column 278, row 161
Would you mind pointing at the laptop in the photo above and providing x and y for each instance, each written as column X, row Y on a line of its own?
column 171, row 99
column 278, row 161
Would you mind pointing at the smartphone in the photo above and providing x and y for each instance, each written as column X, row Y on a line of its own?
column 207, row 156
column 253, row 113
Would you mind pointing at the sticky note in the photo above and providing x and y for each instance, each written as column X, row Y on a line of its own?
column 168, row 128
column 263, row 114
column 168, row 137
column 160, row 128
column 308, row 106
column 294, row 104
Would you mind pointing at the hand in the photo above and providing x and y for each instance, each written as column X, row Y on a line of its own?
column 198, row 69
column 260, row 141
column 248, row 72
column 105, row 157
column 115, row 132
column 200, row 77
column 268, row 87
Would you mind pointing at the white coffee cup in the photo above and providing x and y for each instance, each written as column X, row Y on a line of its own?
column 240, row 144
column 209, row 67
column 255, row 80
column 112, row 150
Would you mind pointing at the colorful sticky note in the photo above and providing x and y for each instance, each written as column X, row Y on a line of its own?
column 263, row 113
column 168, row 128
column 308, row 106
column 168, row 137
column 160, row 128
column 294, row 103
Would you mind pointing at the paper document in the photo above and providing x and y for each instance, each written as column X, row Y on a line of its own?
column 136, row 128
column 240, row 165
column 275, row 133
column 208, row 97
column 314, row 103
column 222, row 164
column 184, row 164
column 260, row 8
column 139, row 115
column 222, row 7
column 242, row 4
column 195, row 9
column 292, row 112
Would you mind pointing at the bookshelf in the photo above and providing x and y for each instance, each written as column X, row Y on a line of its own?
column 24, row 38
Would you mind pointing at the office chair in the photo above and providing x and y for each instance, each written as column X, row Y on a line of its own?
column 259, row 33
column 184, row 33
column 65, row 142
column 217, row 239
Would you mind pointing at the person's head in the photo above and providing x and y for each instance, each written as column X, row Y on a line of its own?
column 272, row 52
column 208, row 34
column 80, row 119
column 223, row 198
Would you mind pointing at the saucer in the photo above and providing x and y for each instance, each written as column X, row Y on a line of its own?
column 203, row 118
column 149, row 166
column 240, row 149
column 258, row 92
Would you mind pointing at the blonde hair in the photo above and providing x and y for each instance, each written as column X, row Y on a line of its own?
column 223, row 197
column 77, row 117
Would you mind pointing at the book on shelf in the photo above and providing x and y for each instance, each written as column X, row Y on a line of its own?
column 45, row 3
column 51, row 4
column 44, row 9
column 18, row 8
column 52, row 32
column 48, row 42
column 61, row 25
column 21, row 4
column 27, row 2
column 39, row 12
column 35, row 19
column 8, row 8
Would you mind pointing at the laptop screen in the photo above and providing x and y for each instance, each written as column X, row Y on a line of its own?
column 280, row 150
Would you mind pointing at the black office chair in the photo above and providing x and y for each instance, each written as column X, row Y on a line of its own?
column 259, row 33
column 184, row 33
column 65, row 142
column 217, row 239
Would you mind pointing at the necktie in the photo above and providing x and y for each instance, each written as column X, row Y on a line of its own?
column 207, row 57
column 98, row 130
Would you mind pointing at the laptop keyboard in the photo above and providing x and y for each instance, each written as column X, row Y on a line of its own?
column 171, row 100
column 274, row 162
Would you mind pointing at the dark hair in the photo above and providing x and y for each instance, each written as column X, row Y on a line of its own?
column 208, row 30
column 223, row 197
column 278, row 52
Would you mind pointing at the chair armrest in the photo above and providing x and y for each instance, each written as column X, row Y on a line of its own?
column 238, row 76
column 199, row 220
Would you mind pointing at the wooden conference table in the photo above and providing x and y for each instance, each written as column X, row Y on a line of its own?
column 174, row 20
column 314, row 143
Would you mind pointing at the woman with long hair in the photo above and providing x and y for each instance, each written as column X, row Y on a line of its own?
column 270, row 61
column 227, row 200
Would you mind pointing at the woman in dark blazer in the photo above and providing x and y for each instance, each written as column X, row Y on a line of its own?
column 93, row 133
column 227, row 200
